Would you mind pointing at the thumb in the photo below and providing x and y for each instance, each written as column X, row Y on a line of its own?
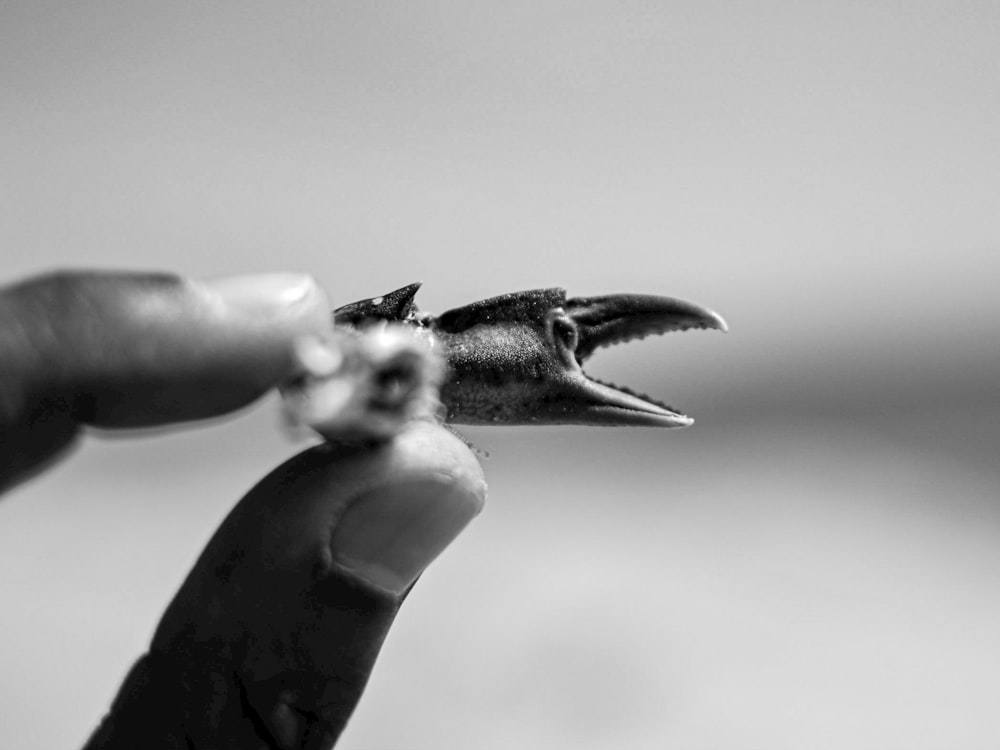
column 272, row 637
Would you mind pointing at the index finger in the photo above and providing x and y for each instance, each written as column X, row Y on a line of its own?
column 142, row 349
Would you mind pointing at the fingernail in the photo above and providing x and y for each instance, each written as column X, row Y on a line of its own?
column 390, row 535
column 263, row 293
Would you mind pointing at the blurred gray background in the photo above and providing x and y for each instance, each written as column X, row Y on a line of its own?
column 813, row 564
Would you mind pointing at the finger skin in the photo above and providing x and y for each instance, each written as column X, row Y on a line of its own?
column 270, row 641
column 137, row 350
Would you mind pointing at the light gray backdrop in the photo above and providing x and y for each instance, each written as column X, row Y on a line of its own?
column 813, row 564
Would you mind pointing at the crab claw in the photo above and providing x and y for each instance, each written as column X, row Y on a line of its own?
column 590, row 323
column 517, row 358
column 617, row 318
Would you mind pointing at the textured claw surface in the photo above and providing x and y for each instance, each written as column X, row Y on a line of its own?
column 619, row 318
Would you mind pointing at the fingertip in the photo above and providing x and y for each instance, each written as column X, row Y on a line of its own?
column 389, row 535
column 429, row 440
column 289, row 299
column 193, row 349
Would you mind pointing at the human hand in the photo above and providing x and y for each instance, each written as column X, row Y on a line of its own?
column 271, row 639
